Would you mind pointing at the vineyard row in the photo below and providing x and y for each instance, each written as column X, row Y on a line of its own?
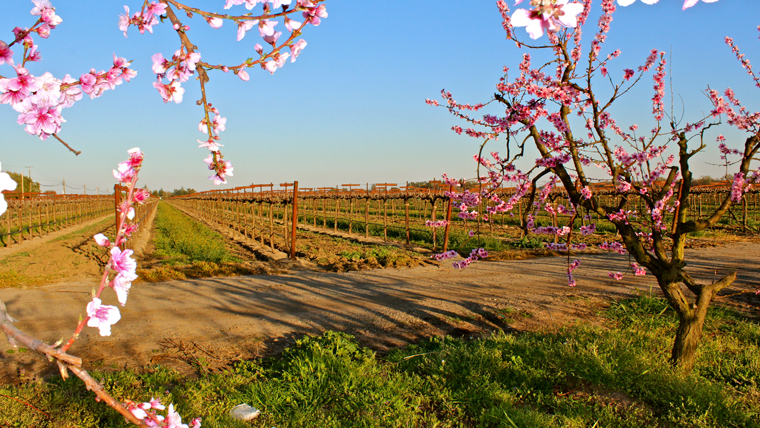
column 43, row 213
column 401, row 216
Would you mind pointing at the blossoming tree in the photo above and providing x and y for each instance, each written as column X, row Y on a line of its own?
column 40, row 100
column 556, row 108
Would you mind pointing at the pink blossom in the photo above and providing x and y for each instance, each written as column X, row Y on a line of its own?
column 225, row 169
column 6, row 183
column 124, row 172
column 6, row 54
column 266, row 28
column 124, row 21
column 637, row 270
column 243, row 75
column 215, row 22
column 39, row 6
column 737, row 187
column 443, row 256
column 44, row 31
column 50, row 18
column 141, row 195
column 292, row 25
column 313, row 14
column 210, row 144
column 160, row 64
column 549, row 15
column 71, row 94
column 296, row 48
column 272, row 40
column 40, row 120
column 102, row 240
column 102, row 317
column 270, row 66
column 244, row 27
column 171, row 92
column 121, row 262
column 136, row 157
column 586, row 193
column 121, row 285
column 615, row 275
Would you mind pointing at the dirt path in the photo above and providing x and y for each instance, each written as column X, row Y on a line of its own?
column 208, row 322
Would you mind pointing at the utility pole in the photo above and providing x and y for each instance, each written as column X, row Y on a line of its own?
column 29, row 168
column 98, row 189
column 84, row 186
column 64, row 186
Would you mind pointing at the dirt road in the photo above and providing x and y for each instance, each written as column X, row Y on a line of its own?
column 208, row 322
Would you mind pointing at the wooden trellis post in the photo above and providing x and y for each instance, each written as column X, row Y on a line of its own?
column 295, row 222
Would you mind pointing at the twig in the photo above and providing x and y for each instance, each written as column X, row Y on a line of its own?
column 65, row 362
column 76, row 152
column 15, row 335
column 26, row 404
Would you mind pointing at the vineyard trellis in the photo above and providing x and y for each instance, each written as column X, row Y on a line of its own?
column 31, row 215
column 37, row 214
column 398, row 213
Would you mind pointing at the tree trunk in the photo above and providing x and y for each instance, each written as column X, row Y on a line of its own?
column 691, row 316
column 688, row 337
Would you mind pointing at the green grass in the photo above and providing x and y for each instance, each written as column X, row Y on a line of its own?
column 180, row 239
column 616, row 375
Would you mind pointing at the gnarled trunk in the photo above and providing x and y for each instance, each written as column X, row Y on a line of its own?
column 688, row 336
column 691, row 316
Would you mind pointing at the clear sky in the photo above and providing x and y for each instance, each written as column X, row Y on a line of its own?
column 352, row 107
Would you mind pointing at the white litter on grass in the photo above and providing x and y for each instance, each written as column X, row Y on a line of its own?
column 244, row 412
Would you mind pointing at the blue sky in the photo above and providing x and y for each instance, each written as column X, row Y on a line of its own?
column 352, row 107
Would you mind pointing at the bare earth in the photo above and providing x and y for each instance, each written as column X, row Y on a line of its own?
column 210, row 322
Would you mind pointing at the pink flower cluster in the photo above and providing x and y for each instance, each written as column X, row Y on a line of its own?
column 588, row 230
column 658, row 107
column 221, row 167
column 218, row 124
column 477, row 253
column 438, row 223
column 686, row 4
column 120, row 262
column 39, row 100
column 741, row 185
column 637, row 270
column 546, row 15
column 144, row 20
column 178, row 70
column 570, row 268
column 743, row 119
column 147, row 412
column 613, row 246
column 444, row 256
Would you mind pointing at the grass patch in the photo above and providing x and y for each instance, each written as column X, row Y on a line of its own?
column 611, row 376
column 188, row 249
column 180, row 239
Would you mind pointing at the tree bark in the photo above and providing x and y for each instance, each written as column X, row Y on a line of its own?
column 687, row 340
column 691, row 316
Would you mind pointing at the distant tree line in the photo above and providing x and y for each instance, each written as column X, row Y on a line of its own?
column 34, row 187
column 161, row 193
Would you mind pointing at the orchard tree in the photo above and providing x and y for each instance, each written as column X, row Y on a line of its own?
column 557, row 108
